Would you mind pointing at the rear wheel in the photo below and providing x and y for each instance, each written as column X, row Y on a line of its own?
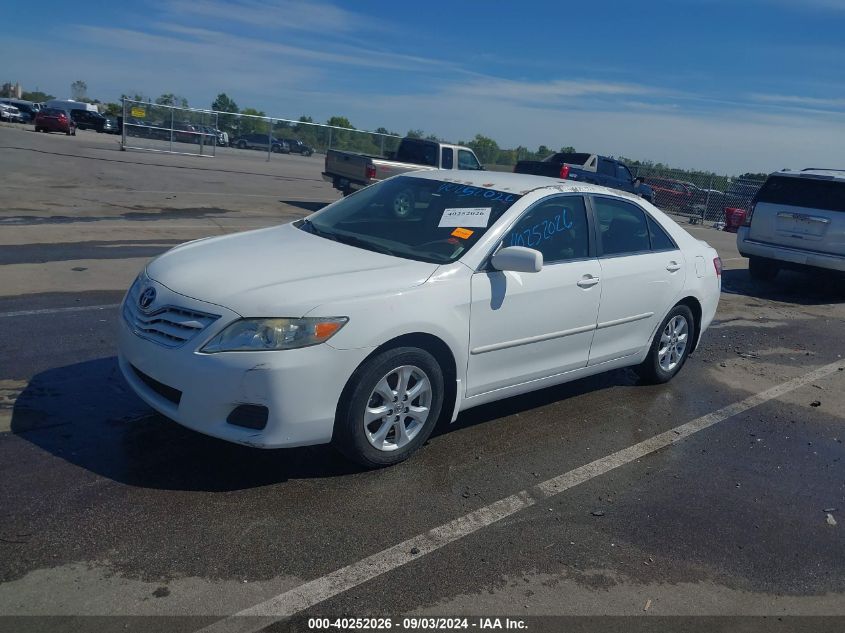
column 241, row 144
column 389, row 407
column 762, row 269
column 670, row 348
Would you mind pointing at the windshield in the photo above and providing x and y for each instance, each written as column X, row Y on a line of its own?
column 416, row 218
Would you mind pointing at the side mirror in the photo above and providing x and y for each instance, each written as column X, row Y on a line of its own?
column 518, row 259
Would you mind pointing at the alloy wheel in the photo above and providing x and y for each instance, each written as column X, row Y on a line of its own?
column 398, row 408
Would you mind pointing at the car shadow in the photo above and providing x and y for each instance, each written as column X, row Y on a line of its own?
column 540, row 398
column 306, row 205
column 86, row 414
column 789, row 286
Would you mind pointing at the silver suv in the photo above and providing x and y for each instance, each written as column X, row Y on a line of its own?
column 797, row 219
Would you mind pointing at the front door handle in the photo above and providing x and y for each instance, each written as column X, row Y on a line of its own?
column 588, row 281
column 673, row 266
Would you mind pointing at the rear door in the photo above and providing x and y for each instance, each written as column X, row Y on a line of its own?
column 642, row 274
column 806, row 213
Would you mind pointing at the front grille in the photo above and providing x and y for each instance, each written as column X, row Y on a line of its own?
column 166, row 392
column 169, row 326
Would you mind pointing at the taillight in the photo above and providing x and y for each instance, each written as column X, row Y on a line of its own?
column 717, row 264
column 564, row 172
column 748, row 217
column 370, row 171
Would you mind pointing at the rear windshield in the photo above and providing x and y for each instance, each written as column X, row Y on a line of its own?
column 812, row 193
column 573, row 158
column 52, row 111
column 417, row 152
column 415, row 218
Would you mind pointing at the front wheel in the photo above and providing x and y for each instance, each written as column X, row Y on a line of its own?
column 670, row 348
column 389, row 407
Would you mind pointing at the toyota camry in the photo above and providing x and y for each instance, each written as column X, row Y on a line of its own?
column 408, row 302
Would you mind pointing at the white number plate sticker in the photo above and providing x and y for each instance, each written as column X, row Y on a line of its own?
column 476, row 216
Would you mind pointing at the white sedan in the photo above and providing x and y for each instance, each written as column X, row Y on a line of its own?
column 363, row 324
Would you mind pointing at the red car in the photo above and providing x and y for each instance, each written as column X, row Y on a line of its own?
column 54, row 120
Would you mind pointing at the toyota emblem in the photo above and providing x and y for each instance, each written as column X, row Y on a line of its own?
column 147, row 297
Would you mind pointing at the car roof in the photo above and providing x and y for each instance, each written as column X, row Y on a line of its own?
column 507, row 181
column 813, row 172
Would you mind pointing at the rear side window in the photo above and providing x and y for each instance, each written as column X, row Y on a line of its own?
column 811, row 193
column 447, row 158
column 660, row 241
column 622, row 227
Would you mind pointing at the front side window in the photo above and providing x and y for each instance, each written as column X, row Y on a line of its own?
column 416, row 218
column 622, row 227
column 623, row 174
column 556, row 227
column 467, row 160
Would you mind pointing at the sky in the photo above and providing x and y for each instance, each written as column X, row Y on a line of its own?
column 728, row 86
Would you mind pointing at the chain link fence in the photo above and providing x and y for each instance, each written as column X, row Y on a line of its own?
column 171, row 129
column 163, row 128
column 699, row 197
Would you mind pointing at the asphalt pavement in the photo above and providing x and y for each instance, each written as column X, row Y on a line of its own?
column 109, row 509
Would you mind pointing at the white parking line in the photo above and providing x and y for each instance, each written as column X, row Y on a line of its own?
column 21, row 313
column 320, row 589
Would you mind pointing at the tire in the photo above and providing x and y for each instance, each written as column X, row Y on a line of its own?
column 376, row 386
column 403, row 204
column 241, row 144
column 762, row 269
column 68, row 132
column 663, row 362
column 276, row 149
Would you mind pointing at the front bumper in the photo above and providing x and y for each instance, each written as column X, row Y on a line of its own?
column 300, row 388
column 749, row 248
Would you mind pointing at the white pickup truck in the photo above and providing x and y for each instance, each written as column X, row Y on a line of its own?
column 350, row 171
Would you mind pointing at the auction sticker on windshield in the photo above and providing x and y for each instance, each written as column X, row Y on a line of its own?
column 476, row 216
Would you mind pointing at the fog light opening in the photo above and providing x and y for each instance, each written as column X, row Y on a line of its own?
column 250, row 416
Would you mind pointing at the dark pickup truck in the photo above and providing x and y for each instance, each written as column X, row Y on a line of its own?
column 598, row 170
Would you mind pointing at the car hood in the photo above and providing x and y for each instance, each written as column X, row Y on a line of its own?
column 281, row 271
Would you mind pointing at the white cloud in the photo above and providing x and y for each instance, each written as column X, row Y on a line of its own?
column 303, row 15
column 799, row 101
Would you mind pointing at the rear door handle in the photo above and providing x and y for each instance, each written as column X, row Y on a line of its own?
column 588, row 281
column 673, row 266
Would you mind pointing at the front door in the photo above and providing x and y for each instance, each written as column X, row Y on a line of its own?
column 525, row 326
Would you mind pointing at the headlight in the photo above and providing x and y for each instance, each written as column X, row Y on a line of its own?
column 251, row 335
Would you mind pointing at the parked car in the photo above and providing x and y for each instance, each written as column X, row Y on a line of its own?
column 261, row 141
column 110, row 125
column 298, row 147
column 10, row 113
column 351, row 171
column 671, row 195
column 27, row 109
column 88, row 120
column 363, row 329
column 55, row 120
column 590, row 168
column 796, row 220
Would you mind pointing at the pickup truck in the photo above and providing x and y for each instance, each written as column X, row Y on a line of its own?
column 350, row 171
column 598, row 170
